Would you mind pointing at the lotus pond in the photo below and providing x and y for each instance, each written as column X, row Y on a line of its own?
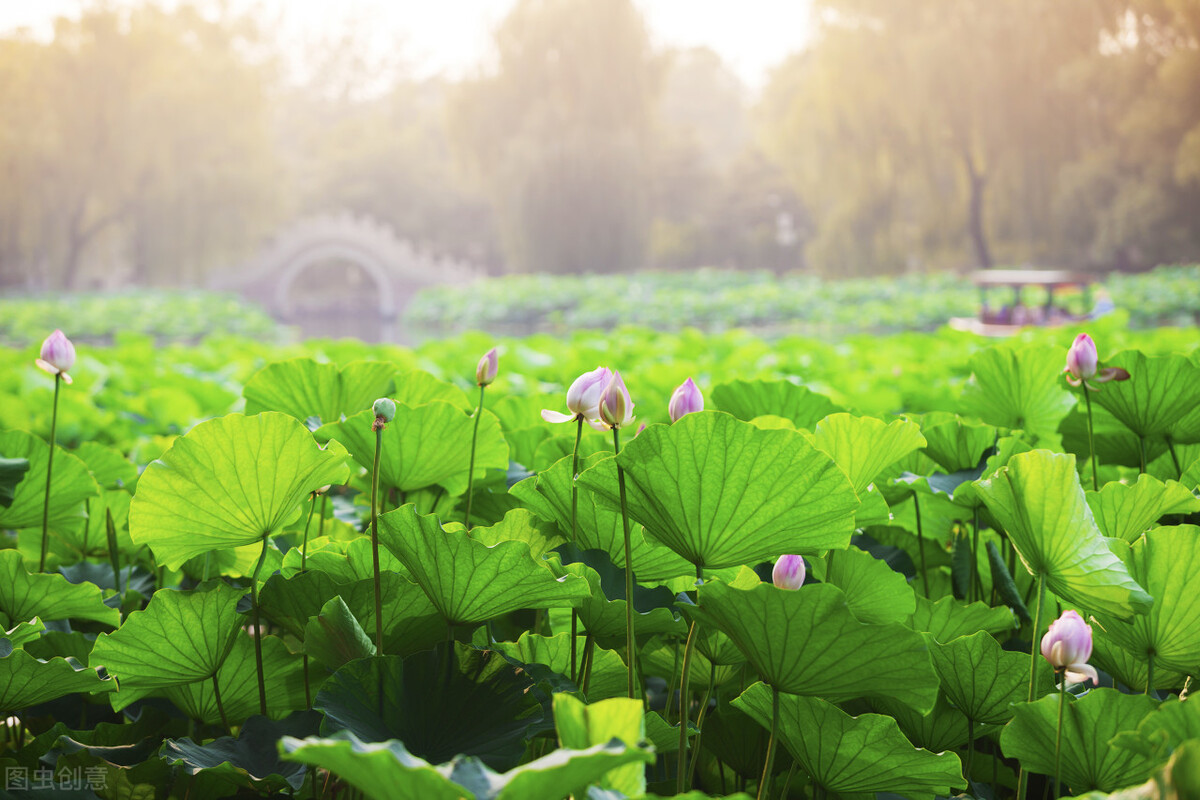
column 922, row 565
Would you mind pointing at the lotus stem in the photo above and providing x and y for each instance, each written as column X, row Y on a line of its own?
column 375, row 541
column 1087, row 397
column 220, row 705
column 976, row 578
column 575, row 532
column 629, row 636
column 712, row 678
column 1023, row 779
column 921, row 545
column 970, row 752
column 1062, row 703
column 114, row 553
column 683, row 708
column 589, row 655
column 1174, row 457
column 49, row 469
column 671, row 685
column 304, row 543
column 258, row 657
column 471, row 468
column 770, row 762
column 787, row 782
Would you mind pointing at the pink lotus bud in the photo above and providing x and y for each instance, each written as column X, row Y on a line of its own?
column 1068, row 646
column 486, row 369
column 1081, row 358
column 616, row 409
column 788, row 572
column 685, row 400
column 583, row 398
column 58, row 355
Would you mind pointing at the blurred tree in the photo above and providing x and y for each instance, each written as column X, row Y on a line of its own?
column 558, row 135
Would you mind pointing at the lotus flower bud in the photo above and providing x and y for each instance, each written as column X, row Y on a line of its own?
column 616, row 408
column 583, row 397
column 385, row 409
column 489, row 365
column 685, row 400
column 1068, row 646
column 789, row 572
column 1083, row 365
column 57, row 356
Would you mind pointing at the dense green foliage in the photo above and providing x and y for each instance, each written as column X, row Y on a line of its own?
column 213, row 619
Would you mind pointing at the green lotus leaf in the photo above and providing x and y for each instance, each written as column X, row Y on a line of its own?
column 521, row 525
column 1166, row 561
column 467, row 581
column 416, row 387
column 250, row 761
column 109, row 468
column 188, row 633
column 21, row 633
column 808, row 642
column 1160, row 392
column 943, row 728
column 479, row 704
column 1162, row 730
column 981, row 678
column 864, row 446
column 609, row 673
column 874, row 591
column 1114, row 443
column 953, row 443
column 604, row 617
column 1130, row 669
column 70, row 483
column 1039, row 501
column 737, row 740
column 948, row 618
column 1019, row 389
column 228, row 483
column 749, row 399
column 549, row 496
column 1088, row 762
column 26, row 681
column 12, row 471
column 425, row 445
column 1126, row 511
column 663, row 658
column 333, row 637
column 25, row 595
column 1178, row 778
column 583, row 725
column 303, row 388
column 853, row 755
column 722, row 493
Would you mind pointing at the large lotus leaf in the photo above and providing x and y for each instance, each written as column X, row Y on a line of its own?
column 943, row 728
column 21, row 633
column 252, row 760
column 874, row 591
column 604, row 617
column 1167, row 563
column 864, row 446
column 387, row 771
column 808, row 642
column 947, row 618
column 853, row 755
column 981, row 678
column 583, row 725
column 410, row 621
column 722, row 493
column 303, row 388
column 70, row 483
column 110, row 469
column 479, row 704
column 333, row 637
column 1019, row 389
column 75, row 540
column 662, row 658
column 229, row 482
column 26, row 681
column 416, row 387
column 953, row 443
column 521, row 525
column 1129, row 669
column 178, row 638
column 736, row 739
column 12, row 471
column 608, row 674
column 425, row 445
column 1088, row 761
column 25, row 595
column 1126, row 511
column 749, row 399
column 1162, row 730
column 549, row 496
column 468, row 581
column 1114, row 443
column 1161, row 390
column 1039, row 501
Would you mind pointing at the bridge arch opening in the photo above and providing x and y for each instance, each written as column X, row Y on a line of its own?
column 335, row 290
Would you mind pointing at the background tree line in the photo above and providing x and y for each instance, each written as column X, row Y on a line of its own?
column 155, row 146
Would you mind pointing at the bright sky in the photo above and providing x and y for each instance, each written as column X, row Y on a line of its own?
column 452, row 36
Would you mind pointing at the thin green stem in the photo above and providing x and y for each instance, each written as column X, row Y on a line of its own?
column 375, row 542
column 220, row 705
column 1087, row 397
column 114, row 552
column 574, row 655
column 771, row 743
column 712, row 678
column 49, row 469
column 921, row 545
column 976, row 578
column 1023, row 779
column 683, row 709
column 1142, row 453
column 630, row 640
column 589, row 655
column 1174, row 458
column 258, row 656
column 471, row 468
column 970, row 752
column 575, row 534
column 787, row 782
column 304, row 543
column 671, row 685
column 1062, row 703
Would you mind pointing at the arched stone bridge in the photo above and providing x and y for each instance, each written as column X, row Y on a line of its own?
column 340, row 275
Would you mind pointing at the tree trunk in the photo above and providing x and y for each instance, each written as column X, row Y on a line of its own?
column 978, row 183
